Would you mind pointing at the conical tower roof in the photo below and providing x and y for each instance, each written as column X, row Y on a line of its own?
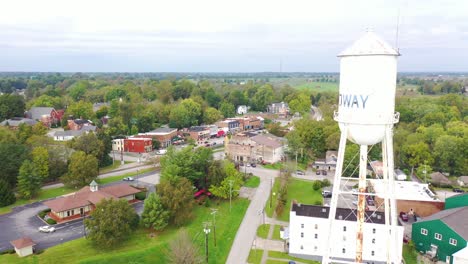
column 368, row 45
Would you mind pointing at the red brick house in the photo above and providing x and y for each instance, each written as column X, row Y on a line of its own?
column 78, row 124
column 138, row 145
column 163, row 134
column 46, row 115
column 84, row 201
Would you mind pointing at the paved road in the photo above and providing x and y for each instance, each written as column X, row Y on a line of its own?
column 253, row 217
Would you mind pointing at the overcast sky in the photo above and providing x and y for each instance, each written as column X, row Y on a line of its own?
column 224, row 36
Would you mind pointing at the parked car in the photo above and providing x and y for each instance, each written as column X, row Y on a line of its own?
column 253, row 165
column 241, row 164
column 458, row 190
column 404, row 216
column 326, row 194
column 214, row 143
column 248, row 165
column 370, row 201
column 299, row 172
column 355, row 191
column 317, row 172
column 128, row 179
column 47, row 229
column 324, row 172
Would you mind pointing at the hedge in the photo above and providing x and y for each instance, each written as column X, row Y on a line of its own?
column 51, row 221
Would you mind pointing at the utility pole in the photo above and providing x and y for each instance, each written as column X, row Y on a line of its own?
column 230, row 194
column 425, row 171
column 214, row 212
column 296, row 163
column 206, row 230
column 271, row 192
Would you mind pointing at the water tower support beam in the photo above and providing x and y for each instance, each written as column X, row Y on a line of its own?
column 394, row 256
column 361, row 207
column 335, row 193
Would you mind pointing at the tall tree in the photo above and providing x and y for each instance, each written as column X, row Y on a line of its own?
column 82, row 170
column 154, row 215
column 185, row 114
column 110, row 223
column 211, row 115
column 29, row 182
column 7, row 196
column 11, row 156
column 81, row 109
column 40, row 159
column 263, row 97
column 90, row 144
column 227, row 109
column 182, row 250
column 177, row 197
column 11, row 106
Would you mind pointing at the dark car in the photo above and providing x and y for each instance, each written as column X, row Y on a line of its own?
column 326, row 194
column 324, row 172
column 404, row 216
column 253, row 165
column 317, row 172
column 458, row 190
column 299, row 172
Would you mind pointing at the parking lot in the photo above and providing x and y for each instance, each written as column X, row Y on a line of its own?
column 23, row 221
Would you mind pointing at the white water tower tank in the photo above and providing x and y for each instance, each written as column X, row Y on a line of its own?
column 368, row 73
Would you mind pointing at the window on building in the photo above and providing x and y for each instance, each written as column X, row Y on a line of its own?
column 316, row 236
column 424, row 231
column 302, row 234
column 344, row 228
column 373, row 241
column 302, row 225
column 453, row 242
column 343, row 250
column 438, row 236
column 315, row 248
column 373, row 230
column 316, row 226
column 344, row 238
column 372, row 252
column 302, row 247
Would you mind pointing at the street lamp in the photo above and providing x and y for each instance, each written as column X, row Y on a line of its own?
column 206, row 230
column 213, row 213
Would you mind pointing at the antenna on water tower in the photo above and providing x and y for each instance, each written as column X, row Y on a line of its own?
column 397, row 32
column 366, row 115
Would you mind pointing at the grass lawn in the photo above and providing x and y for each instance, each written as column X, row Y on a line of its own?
column 255, row 256
column 319, row 86
column 276, row 232
column 262, row 230
column 141, row 248
column 116, row 165
column 299, row 190
column 274, row 166
column 51, row 193
column 252, row 182
column 410, row 254
column 282, row 255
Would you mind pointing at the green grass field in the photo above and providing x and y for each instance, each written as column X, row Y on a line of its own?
column 319, row 86
column 274, row 166
column 299, row 190
column 255, row 256
column 276, row 233
column 410, row 255
column 51, row 193
column 141, row 248
column 285, row 256
column 263, row 230
column 252, row 182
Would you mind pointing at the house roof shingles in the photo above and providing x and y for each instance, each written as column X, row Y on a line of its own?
column 22, row 242
column 16, row 121
column 38, row 112
column 85, row 197
column 454, row 218
column 438, row 177
column 463, row 179
column 267, row 141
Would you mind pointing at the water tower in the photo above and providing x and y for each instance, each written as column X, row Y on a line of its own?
column 366, row 114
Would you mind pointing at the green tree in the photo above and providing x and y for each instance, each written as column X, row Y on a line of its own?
column 12, row 157
column 81, row 109
column 227, row 109
column 182, row 250
column 262, row 98
column 300, row 104
column 155, row 216
column 110, row 223
column 81, row 171
column 78, row 90
column 177, row 197
column 230, row 185
column 7, row 196
column 29, row 182
column 185, row 114
column 90, row 144
column 40, row 159
column 11, row 106
column 450, row 155
column 102, row 112
column 211, row 115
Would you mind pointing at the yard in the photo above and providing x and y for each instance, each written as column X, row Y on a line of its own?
column 299, row 190
column 252, row 182
column 141, row 248
column 410, row 254
column 255, row 257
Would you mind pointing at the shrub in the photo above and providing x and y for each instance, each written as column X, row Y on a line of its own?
column 316, row 185
column 207, row 203
column 39, row 251
column 140, row 196
column 326, row 183
column 42, row 214
column 135, row 221
column 51, row 221
column 318, row 202
column 7, row 251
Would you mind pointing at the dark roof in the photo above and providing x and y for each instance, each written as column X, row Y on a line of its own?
column 81, row 121
column 197, row 129
column 438, row 177
column 163, row 130
column 341, row 213
column 455, row 218
column 69, row 133
column 22, row 242
column 38, row 112
column 16, row 121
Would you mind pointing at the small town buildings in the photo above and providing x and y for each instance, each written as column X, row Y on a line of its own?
column 199, row 133
column 23, row 246
column 249, row 122
column 242, row 109
column 14, row 122
column 164, row 135
column 118, row 144
column 329, row 163
column 377, row 171
column 439, row 179
column 71, row 134
column 281, row 109
column 250, row 147
column 84, row 201
column 443, row 234
column 46, row 115
column 229, row 125
column 78, row 124
column 462, row 181
column 461, row 256
column 309, row 228
column 138, row 145
column 411, row 197
column 456, row 201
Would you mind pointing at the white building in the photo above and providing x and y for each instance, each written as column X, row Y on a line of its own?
column 118, row 144
column 308, row 229
column 242, row 109
column 23, row 246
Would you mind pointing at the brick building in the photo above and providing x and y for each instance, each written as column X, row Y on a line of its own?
column 163, row 134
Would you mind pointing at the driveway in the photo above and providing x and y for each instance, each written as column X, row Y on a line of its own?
column 23, row 221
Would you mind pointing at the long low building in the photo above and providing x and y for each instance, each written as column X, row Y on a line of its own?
column 309, row 228
column 411, row 197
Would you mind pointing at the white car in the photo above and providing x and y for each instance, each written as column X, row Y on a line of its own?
column 47, row 229
column 128, row 179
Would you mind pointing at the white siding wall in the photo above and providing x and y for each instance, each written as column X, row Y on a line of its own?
column 341, row 239
column 24, row 251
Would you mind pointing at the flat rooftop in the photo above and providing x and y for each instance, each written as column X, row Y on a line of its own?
column 406, row 190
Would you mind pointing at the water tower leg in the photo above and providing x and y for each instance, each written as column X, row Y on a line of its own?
column 335, row 193
column 361, row 207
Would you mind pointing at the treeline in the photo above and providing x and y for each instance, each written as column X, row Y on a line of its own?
column 437, row 86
